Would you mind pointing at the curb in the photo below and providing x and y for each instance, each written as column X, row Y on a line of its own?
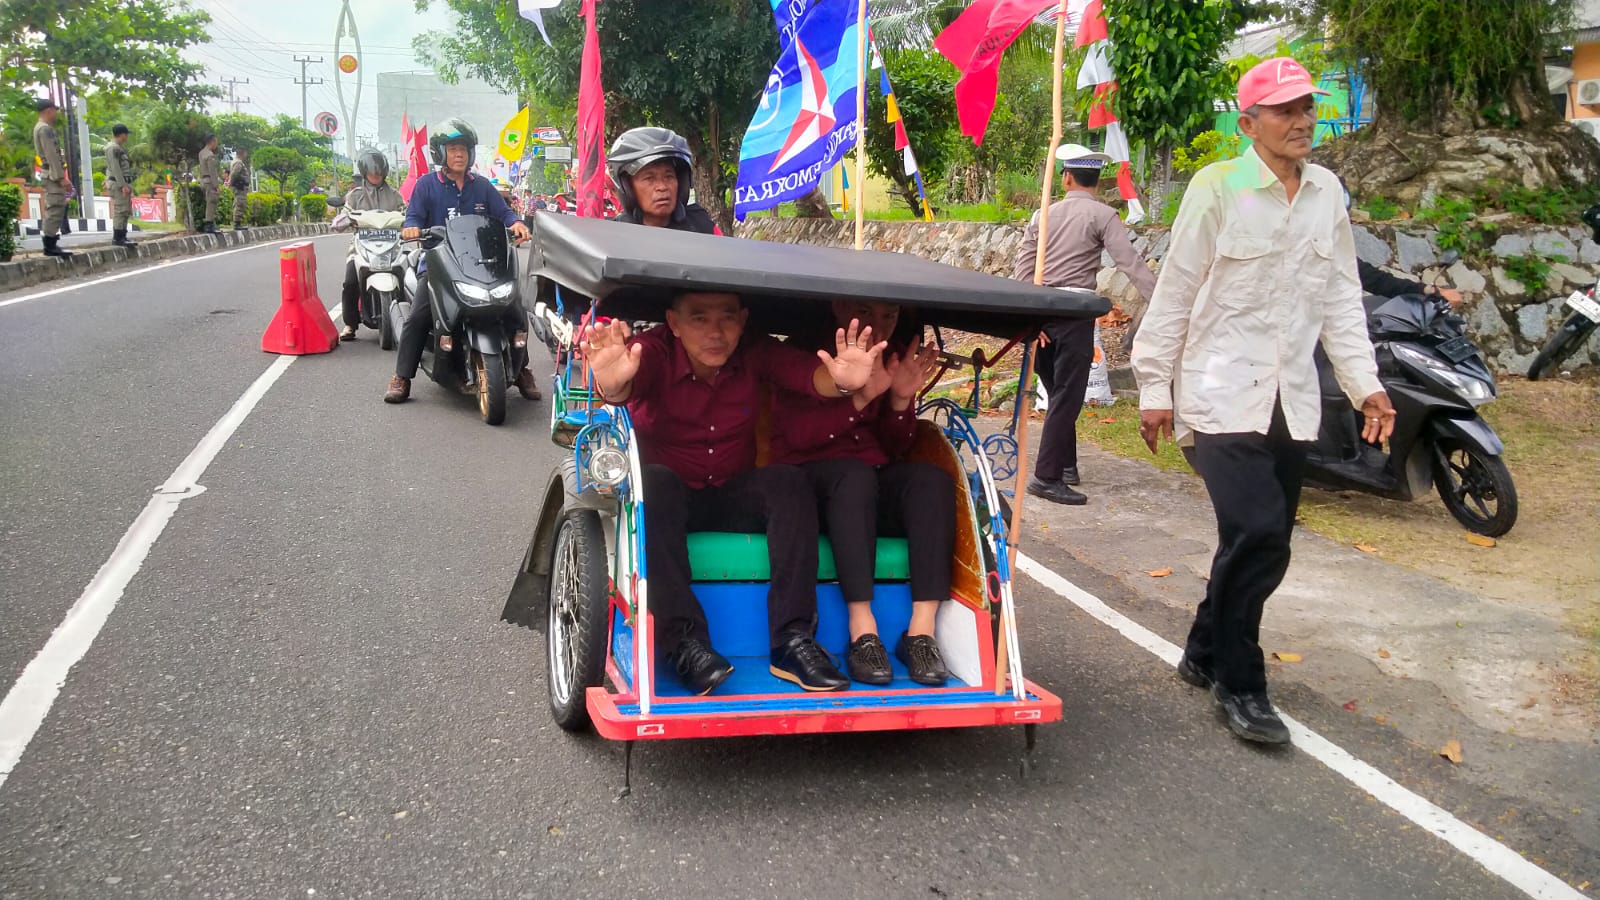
column 100, row 260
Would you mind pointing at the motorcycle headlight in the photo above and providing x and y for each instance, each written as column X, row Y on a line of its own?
column 386, row 259
column 471, row 294
column 502, row 291
column 1474, row 390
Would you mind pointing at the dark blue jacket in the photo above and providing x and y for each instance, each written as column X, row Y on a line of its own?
column 434, row 199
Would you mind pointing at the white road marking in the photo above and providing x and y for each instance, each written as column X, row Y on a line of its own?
column 1494, row 856
column 28, row 702
column 165, row 264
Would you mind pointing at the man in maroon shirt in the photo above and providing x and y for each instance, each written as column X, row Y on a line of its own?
column 692, row 387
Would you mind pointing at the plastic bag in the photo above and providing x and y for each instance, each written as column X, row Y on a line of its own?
column 1098, row 393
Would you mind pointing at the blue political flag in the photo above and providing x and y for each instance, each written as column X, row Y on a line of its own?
column 806, row 121
column 786, row 14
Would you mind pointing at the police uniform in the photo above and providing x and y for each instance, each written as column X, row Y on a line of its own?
column 47, row 146
column 239, row 181
column 119, row 184
column 211, row 182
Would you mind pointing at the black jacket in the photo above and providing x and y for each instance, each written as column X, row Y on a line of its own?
column 688, row 218
column 1376, row 281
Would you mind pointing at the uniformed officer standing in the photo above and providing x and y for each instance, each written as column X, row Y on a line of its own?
column 239, row 182
column 210, row 182
column 47, row 146
column 119, row 184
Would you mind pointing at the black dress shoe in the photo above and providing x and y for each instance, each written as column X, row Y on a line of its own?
column 1251, row 716
column 868, row 661
column 699, row 667
column 920, row 653
column 1193, row 674
column 800, row 659
column 1069, row 475
column 1055, row 492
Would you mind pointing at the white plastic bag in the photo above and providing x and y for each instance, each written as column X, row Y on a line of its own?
column 1098, row 393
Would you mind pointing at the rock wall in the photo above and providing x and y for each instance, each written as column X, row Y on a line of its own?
column 1508, row 321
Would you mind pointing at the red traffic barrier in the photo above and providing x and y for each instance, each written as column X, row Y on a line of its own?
column 302, row 324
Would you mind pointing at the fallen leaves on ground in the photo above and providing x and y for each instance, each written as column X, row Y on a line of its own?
column 1286, row 657
column 1479, row 540
column 1382, row 653
column 1159, row 573
column 1451, row 751
column 1366, row 548
column 1350, row 707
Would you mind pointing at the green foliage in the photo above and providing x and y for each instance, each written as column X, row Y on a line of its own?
column 1171, row 203
column 242, row 131
column 1547, row 206
column 1532, row 269
column 264, row 209
column 189, row 198
column 961, row 212
column 280, row 163
column 1167, row 55
column 176, row 135
column 924, row 86
column 314, row 207
column 1429, row 59
column 1452, row 217
column 109, row 47
column 143, row 182
column 10, row 208
column 1206, row 148
column 1380, row 208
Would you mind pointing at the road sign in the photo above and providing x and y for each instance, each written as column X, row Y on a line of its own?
column 327, row 123
column 558, row 154
column 347, row 63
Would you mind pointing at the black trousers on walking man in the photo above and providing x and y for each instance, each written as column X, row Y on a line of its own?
column 1063, row 366
column 1254, row 482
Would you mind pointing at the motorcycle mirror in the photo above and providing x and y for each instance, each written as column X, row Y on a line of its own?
column 335, row 202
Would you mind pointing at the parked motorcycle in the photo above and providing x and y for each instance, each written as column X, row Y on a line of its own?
column 1580, row 323
column 480, row 332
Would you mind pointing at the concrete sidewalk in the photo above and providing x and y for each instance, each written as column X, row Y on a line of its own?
column 100, row 260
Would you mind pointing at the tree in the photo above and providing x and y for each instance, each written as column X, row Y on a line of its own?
column 242, row 131
column 694, row 66
column 109, row 47
column 175, row 137
column 1460, row 101
column 924, row 85
column 280, row 163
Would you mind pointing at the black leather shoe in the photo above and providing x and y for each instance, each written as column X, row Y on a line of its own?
column 921, row 655
column 868, row 661
column 1251, row 716
column 1055, row 492
column 800, row 659
column 699, row 667
column 1193, row 674
column 1069, row 475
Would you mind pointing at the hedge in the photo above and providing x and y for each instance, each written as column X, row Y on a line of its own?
column 314, row 206
column 265, row 209
column 10, row 208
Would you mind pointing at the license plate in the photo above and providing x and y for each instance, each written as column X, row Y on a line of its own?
column 1457, row 349
column 1583, row 303
column 380, row 234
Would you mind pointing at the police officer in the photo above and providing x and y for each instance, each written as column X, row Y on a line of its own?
column 211, row 182
column 239, row 182
column 119, row 184
column 372, row 193
column 47, row 146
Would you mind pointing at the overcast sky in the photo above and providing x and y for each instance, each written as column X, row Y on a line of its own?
column 258, row 40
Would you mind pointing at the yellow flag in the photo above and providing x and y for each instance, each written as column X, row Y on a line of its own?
column 514, row 137
column 894, row 110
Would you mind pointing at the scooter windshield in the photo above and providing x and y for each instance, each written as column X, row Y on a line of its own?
column 478, row 247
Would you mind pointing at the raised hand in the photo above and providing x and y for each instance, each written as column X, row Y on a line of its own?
column 912, row 372
column 854, row 356
column 613, row 361
column 878, row 384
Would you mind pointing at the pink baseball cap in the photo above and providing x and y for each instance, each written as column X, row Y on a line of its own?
column 1274, row 81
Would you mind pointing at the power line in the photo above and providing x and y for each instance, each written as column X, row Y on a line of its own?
column 232, row 82
column 304, row 83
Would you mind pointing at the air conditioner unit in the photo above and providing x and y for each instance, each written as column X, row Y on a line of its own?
column 1588, row 91
column 1589, row 126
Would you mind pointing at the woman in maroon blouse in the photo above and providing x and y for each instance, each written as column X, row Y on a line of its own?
column 850, row 448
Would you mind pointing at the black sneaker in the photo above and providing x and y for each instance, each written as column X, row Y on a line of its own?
column 800, row 659
column 1193, row 674
column 699, row 667
column 920, row 653
column 1055, row 492
column 1251, row 716
column 868, row 661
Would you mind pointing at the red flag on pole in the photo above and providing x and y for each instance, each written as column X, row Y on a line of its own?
column 1093, row 27
column 405, row 130
column 1100, row 114
column 974, row 43
column 591, row 181
column 416, row 162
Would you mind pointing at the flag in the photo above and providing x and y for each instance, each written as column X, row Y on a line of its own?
column 806, row 121
column 1092, row 28
column 974, row 43
column 787, row 15
column 1100, row 114
column 533, row 11
column 405, row 129
column 416, row 162
column 1094, row 33
column 514, row 136
column 591, row 178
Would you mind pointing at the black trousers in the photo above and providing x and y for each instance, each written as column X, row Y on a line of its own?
column 856, row 502
column 775, row 500
column 1063, row 366
column 351, row 299
column 1254, row 482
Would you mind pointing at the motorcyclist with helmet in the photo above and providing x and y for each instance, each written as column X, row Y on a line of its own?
column 437, row 197
column 372, row 193
column 652, row 170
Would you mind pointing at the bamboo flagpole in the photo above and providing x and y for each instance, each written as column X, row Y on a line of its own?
column 861, row 121
column 1004, row 662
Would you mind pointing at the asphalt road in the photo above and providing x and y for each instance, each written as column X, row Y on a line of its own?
column 304, row 691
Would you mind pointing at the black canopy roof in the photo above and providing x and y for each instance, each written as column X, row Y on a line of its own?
column 634, row 270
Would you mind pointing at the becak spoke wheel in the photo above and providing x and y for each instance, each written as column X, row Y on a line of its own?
column 575, row 640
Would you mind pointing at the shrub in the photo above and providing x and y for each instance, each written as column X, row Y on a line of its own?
column 1458, row 230
column 225, row 204
column 264, row 209
column 10, row 208
column 315, row 207
column 1206, row 148
column 1533, row 269
column 1382, row 209
column 189, row 197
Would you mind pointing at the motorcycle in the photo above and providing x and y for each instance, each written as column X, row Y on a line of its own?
column 378, row 270
column 1436, row 377
column 1580, row 323
column 480, row 333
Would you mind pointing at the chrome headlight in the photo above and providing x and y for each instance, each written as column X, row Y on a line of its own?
column 502, row 290
column 1474, row 390
column 386, row 259
column 471, row 294
column 608, row 466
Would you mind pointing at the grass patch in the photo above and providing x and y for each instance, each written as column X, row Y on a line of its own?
column 1115, row 428
column 158, row 227
column 960, row 212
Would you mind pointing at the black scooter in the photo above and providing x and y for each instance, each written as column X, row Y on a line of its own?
column 1436, row 378
column 1581, row 323
column 480, row 331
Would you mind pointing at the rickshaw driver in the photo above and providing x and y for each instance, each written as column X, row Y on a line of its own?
column 692, row 387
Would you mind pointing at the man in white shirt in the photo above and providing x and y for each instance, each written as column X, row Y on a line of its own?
column 1261, row 267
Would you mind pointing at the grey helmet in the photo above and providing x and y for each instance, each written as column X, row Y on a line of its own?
column 639, row 147
column 372, row 160
column 452, row 131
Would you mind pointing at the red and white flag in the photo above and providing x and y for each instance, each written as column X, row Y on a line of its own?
column 974, row 43
column 1096, row 72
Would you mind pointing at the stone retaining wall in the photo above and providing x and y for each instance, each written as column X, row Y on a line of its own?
column 1508, row 321
column 103, row 259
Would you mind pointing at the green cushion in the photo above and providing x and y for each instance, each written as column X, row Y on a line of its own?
column 722, row 556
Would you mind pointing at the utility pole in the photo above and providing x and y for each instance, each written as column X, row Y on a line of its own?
column 304, row 83
column 232, row 83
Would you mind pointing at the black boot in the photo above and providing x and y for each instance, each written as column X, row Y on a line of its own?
column 52, row 247
column 119, row 237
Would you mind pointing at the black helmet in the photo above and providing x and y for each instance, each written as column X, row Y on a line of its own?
column 639, row 147
column 1591, row 218
column 372, row 160
column 452, row 131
